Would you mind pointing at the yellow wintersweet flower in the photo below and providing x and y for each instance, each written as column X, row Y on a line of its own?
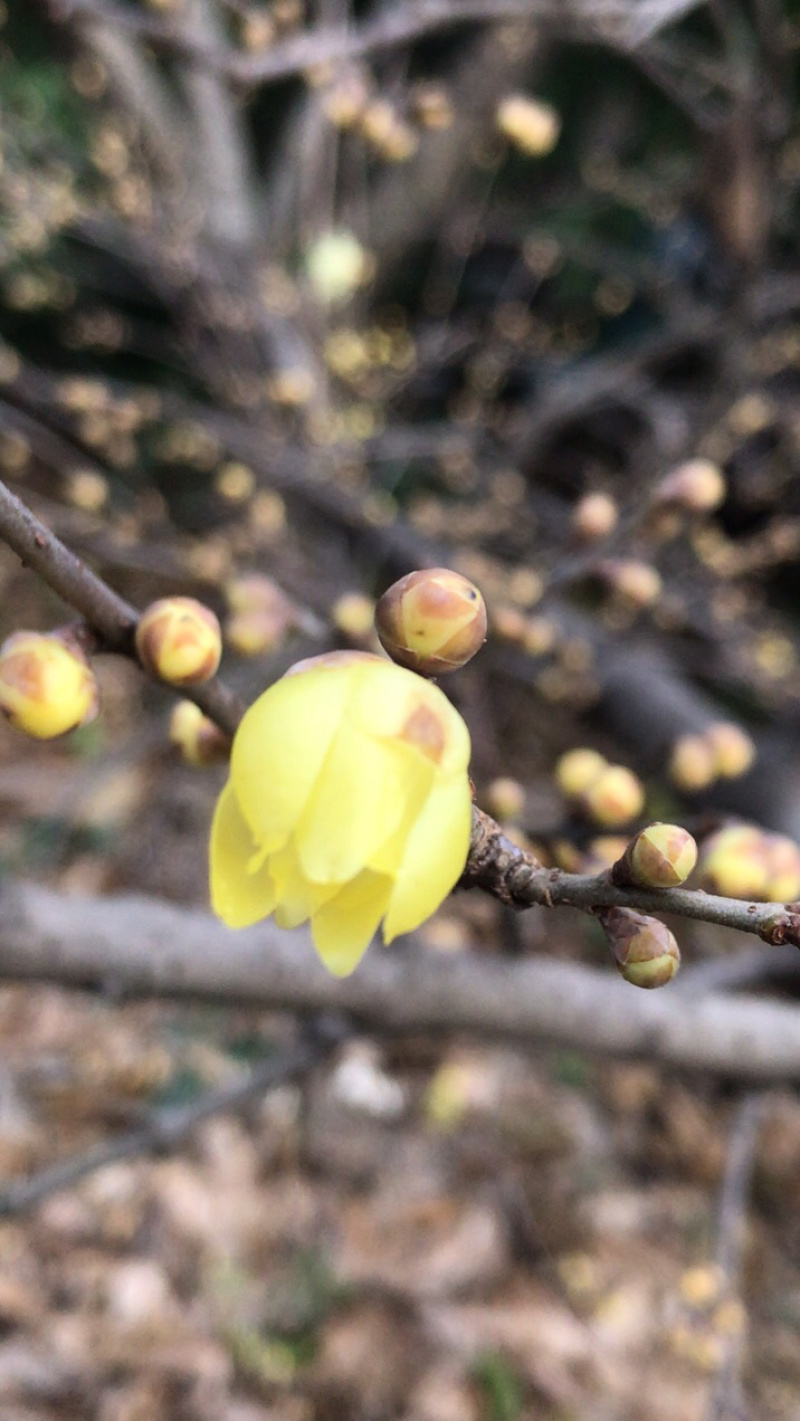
column 348, row 802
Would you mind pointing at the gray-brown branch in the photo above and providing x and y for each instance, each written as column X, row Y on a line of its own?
column 139, row 947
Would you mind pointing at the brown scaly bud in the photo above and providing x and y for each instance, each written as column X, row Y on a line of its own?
column 693, row 763
column 743, row 861
column 614, row 798
column 432, row 621
column 594, row 517
column 577, row 769
column 179, row 640
column 643, row 948
column 697, row 486
column 199, row 740
column 660, row 856
column 733, row 749
column 47, row 686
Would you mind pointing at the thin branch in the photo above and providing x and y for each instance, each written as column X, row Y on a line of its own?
column 108, row 616
column 165, row 1128
column 138, row 947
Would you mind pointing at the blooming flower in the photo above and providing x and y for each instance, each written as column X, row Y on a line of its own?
column 348, row 802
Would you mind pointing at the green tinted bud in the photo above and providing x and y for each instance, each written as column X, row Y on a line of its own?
column 660, row 856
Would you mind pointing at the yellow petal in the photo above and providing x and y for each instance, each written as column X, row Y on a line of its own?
column 358, row 800
column 344, row 927
column 434, row 857
column 280, row 747
column 297, row 897
column 387, row 701
column 238, row 897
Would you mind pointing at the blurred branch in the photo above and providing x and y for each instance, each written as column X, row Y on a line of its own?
column 626, row 22
column 137, row 947
column 165, row 1128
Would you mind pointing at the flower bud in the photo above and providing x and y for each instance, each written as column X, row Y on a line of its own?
column 505, row 798
column 692, row 764
column 531, row 125
column 576, row 770
column 698, row 486
column 262, row 614
column 660, row 856
column 613, row 798
column 353, row 615
column 743, row 861
column 199, row 740
column 733, row 749
column 432, row 621
column 179, row 640
column 594, row 517
column 635, row 583
column 644, row 949
column 46, row 684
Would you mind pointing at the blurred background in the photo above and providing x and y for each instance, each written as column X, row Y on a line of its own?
column 296, row 297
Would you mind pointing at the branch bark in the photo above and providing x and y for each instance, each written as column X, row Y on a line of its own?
column 138, row 947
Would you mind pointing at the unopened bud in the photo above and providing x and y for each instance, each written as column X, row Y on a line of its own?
column 635, row 583
column 199, row 740
column 505, row 798
column 594, row 517
column 614, row 798
column 577, row 769
column 531, row 125
column 698, row 486
column 47, row 687
column 432, row 621
column 743, row 861
column 660, row 856
column 733, row 749
column 262, row 614
column 353, row 615
column 693, row 763
column 643, row 948
column 179, row 640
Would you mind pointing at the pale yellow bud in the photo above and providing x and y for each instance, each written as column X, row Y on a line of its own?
column 531, row 125
column 698, row 486
column 613, row 798
column 594, row 517
column 46, row 684
column 432, row 621
column 693, row 763
column 733, row 749
column 199, row 740
column 179, row 640
column 577, row 769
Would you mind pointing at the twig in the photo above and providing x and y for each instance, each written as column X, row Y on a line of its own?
column 138, row 947
column 165, row 1128
column 108, row 616
column 726, row 1397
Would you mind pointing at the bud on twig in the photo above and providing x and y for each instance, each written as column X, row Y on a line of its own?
column 47, row 686
column 432, row 621
column 577, row 769
column 660, row 856
column 199, row 740
column 261, row 615
column 643, row 948
column 734, row 751
column 743, row 861
column 614, row 798
column 594, row 517
column 179, row 640
column 693, row 763
column 698, row 486
column 531, row 125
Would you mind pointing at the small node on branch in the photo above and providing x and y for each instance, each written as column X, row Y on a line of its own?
column 743, row 861
column 179, row 640
column 199, row 740
column 698, row 486
column 433, row 621
column 47, row 686
column 660, row 856
column 643, row 948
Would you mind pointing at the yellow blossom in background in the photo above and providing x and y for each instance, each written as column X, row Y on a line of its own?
column 348, row 803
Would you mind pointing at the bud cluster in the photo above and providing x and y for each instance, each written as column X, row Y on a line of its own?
column 722, row 751
column 609, row 795
column 432, row 621
column 744, row 861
